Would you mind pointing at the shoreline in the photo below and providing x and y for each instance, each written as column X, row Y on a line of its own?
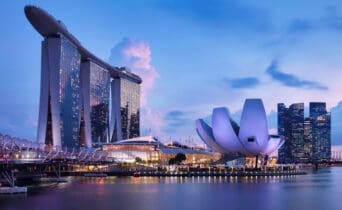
column 183, row 174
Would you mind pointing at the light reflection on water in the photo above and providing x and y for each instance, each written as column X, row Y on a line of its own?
column 317, row 190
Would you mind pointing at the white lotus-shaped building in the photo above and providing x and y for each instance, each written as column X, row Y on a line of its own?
column 251, row 138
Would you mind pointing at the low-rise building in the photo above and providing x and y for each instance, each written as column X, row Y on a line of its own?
column 148, row 149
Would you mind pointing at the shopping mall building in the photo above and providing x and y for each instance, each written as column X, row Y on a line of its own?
column 149, row 150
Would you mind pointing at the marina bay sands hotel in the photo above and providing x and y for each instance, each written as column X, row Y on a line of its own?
column 83, row 100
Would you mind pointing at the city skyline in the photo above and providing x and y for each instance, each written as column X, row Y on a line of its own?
column 307, row 138
column 254, row 51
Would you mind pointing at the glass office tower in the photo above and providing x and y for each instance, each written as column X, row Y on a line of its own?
column 282, row 123
column 125, row 109
column 60, row 100
column 95, row 91
column 321, row 131
column 291, row 126
column 307, row 140
column 296, row 114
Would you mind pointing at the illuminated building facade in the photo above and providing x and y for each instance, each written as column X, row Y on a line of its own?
column 126, row 115
column 149, row 150
column 283, row 126
column 95, row 91
column 306, row 140
column 60, row 100
column 77, row 88
column 296, row 112
column 320, row 121
column 291, row 126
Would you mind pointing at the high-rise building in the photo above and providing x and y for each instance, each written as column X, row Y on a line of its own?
column 95, row 83
column 78, row 88
column 291, row 126
column 60, row 101
column 126, row 110
column 306, row 140
column 284, row 152
column 296, row 114
column 320, row 129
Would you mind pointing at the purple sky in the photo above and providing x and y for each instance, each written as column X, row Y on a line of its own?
column 192, row 55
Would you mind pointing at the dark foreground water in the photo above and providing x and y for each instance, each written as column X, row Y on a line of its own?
column 318, row 190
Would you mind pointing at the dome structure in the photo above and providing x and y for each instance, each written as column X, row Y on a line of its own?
column 251, row 138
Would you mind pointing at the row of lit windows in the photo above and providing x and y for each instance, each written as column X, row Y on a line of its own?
column 70, row 101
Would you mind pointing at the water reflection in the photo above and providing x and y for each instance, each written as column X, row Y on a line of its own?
column 317, row 190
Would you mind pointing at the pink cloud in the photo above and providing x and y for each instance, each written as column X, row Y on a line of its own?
column 136, row 55
column 153, row 120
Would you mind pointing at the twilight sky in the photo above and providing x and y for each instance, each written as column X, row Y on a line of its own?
column 192, row 55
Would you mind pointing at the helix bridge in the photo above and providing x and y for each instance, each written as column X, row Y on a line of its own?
column 24, row 159
column 20, row 151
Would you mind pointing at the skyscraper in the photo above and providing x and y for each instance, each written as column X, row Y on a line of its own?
column 60, row 102
column 75, row 91
column 320, row 129
column 306, row 140
column 296, row 115
column 284, row 152
column 291, row 126
column 95, row 83
column 126, row 110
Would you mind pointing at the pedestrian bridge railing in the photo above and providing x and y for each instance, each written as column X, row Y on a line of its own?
column 18, row 150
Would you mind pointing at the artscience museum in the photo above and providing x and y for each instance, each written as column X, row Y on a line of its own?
column 251, row 138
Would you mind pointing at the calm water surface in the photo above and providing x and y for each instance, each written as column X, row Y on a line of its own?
column 317, row 190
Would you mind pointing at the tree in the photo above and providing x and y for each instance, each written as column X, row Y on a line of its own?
column 180, row 157
column 138, row 160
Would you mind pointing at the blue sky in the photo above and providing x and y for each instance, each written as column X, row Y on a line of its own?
column 193, row 56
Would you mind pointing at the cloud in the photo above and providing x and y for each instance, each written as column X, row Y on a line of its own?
column 221, row 14
column 297, row 29
column 152, row 121
column 180, row 125
column 246, row 82
column 177, row 118
column 291, row 80
column 330, row 20
column 137, row 56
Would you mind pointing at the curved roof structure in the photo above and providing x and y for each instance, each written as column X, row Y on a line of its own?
column 47, row 26
column 139, row 140
column 206, row 132
column 250, row 139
